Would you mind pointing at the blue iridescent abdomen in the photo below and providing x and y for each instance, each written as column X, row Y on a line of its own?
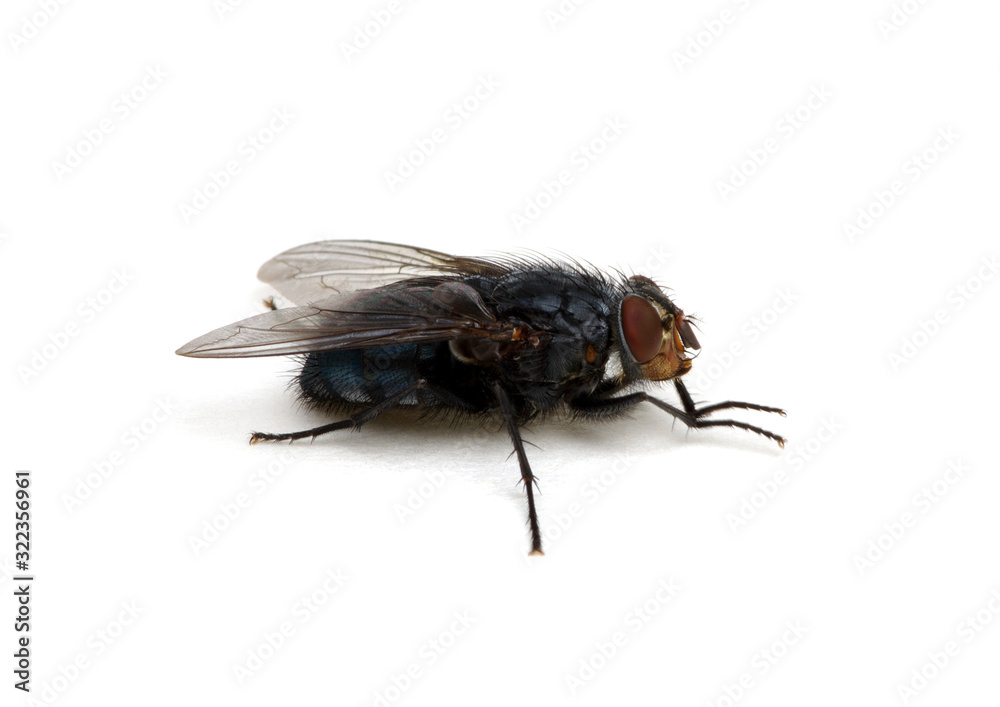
column 364, row 376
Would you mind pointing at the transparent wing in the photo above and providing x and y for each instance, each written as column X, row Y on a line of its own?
column 395, row 314
column 320, row 270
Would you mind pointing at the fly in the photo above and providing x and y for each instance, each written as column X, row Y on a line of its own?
column 379, row 326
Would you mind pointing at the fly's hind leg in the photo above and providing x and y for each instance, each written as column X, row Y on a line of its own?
column 315, row 432
column 354, row 421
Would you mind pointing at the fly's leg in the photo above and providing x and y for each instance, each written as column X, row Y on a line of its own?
column 315, row 432
column 690, row 415
column 510, row 419
column 355, row 421
column 691, row 409
column 269, row 303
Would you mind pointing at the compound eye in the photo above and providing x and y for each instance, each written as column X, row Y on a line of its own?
column 641, row 328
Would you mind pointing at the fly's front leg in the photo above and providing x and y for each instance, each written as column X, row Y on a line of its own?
column 510, row 419
column 690, row 415
column 691, row 409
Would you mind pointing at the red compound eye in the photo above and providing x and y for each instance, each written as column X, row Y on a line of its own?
column 641, row 328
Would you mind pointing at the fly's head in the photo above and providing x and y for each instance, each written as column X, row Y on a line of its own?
column 655, row 336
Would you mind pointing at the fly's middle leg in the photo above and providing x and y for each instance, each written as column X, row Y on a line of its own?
column 510, row 418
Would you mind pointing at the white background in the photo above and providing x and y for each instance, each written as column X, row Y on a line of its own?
column 654, row 502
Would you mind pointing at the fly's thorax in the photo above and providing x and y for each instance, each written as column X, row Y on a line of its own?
column 566, row 315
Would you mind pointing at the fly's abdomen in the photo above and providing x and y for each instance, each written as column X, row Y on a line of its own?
column 363, row 376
